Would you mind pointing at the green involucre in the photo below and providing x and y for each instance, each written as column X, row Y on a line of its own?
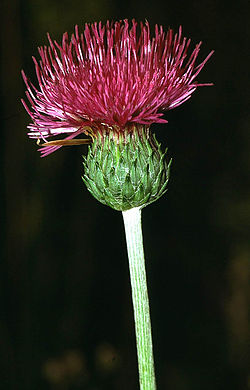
column 126, row 170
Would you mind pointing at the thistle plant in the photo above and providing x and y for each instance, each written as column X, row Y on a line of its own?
column 105, row 87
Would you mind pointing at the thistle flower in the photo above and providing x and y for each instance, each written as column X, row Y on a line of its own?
column 111, row 76
column 111, row 83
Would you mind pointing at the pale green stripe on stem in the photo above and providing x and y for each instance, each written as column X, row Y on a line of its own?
column 132, row 223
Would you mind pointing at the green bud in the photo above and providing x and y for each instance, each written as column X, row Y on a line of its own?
column 126, row 169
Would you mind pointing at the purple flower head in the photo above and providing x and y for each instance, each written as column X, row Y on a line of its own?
column 110, row 75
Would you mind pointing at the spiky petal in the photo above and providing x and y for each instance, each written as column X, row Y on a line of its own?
column 113, row 74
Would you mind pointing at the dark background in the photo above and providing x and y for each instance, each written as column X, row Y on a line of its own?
column 66, row 317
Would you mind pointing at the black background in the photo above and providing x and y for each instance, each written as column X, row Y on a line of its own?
column 66, row 316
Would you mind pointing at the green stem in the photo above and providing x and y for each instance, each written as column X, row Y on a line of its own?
column 132, row 223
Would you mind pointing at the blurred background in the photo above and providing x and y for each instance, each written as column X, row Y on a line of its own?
column 66, row 318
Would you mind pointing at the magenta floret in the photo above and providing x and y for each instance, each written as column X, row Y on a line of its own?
column 113, row 74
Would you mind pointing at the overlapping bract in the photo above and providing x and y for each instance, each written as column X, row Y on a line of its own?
column 113, row 74
column 126, row 170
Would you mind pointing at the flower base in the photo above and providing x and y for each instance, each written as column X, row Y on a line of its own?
column 126, row 169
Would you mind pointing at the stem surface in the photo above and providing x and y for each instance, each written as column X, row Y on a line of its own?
column 133, row 230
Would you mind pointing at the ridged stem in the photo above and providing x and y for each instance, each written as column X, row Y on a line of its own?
column 132, row 223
